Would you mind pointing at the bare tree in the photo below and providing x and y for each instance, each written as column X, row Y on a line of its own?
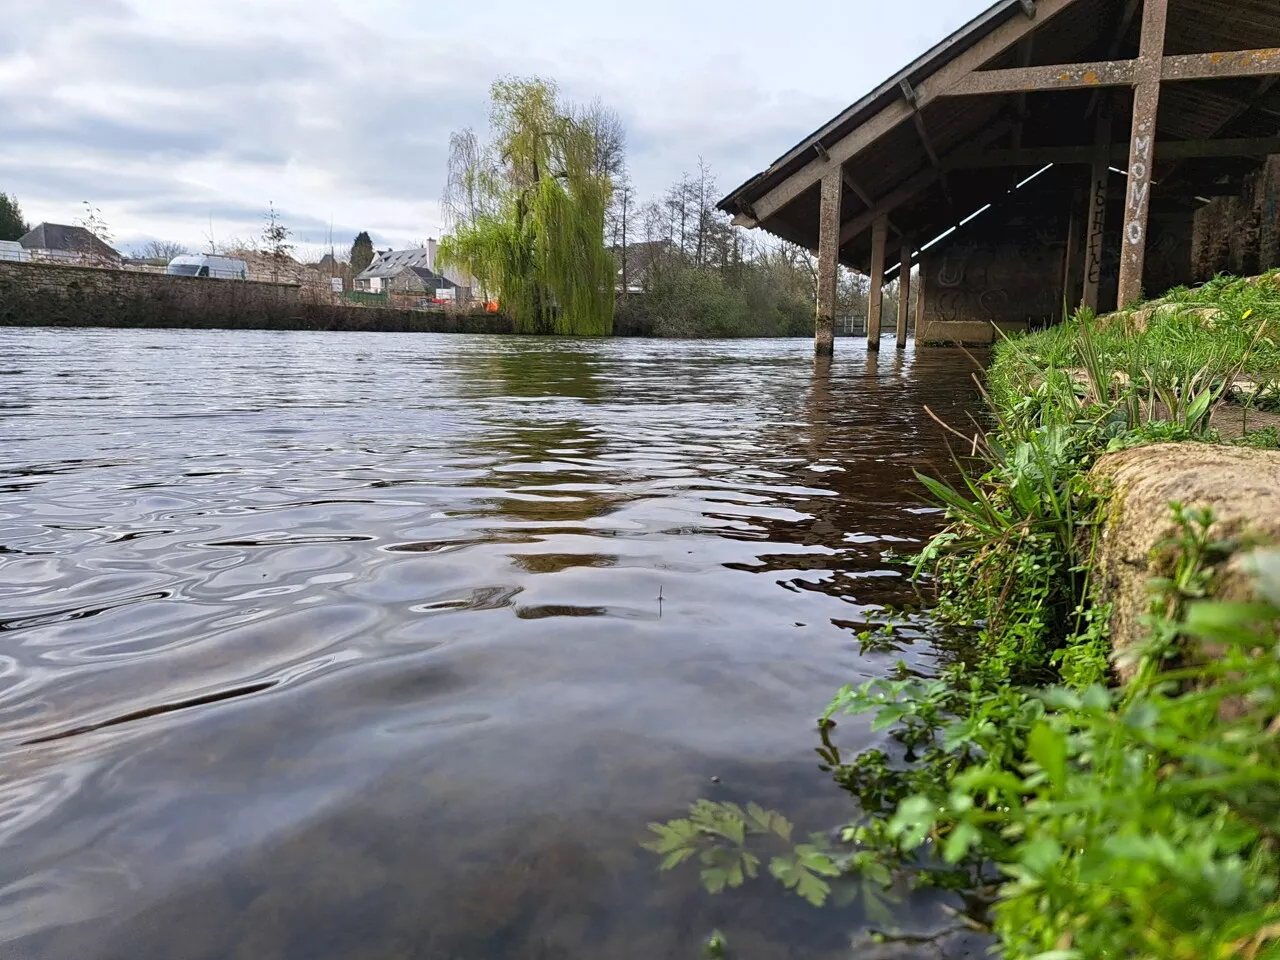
column 609, row 137
column 465, row 198
column 275, row 237
column 162, row 250
column 621, row 217
column 93, row 221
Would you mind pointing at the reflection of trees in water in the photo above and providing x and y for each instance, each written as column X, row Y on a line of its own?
column 864, row 430
column 529, row 368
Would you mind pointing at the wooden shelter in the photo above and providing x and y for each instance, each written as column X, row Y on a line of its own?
column 1134, row 113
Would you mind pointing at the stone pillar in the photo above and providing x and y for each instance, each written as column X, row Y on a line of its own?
column 828, row 261
column 1096, row 218
column 1146, row 102
column 875, row 300
column 921, row 303
column 904, row 295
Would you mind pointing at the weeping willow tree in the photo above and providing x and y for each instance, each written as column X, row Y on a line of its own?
column 527, row 210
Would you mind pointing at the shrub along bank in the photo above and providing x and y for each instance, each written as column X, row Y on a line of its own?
column 1080, row 816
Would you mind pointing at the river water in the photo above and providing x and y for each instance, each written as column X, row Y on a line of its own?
column 377, row 645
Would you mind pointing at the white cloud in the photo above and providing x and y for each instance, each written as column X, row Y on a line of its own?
column 168, row 117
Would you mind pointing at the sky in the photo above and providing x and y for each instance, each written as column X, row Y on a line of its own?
column 182, row 120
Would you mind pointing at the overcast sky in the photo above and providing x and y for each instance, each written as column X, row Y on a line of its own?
column 169, row 114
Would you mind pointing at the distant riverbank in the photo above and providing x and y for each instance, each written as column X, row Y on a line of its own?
column 54, row 295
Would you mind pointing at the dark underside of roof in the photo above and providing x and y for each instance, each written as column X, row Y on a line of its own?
column 1087, row 30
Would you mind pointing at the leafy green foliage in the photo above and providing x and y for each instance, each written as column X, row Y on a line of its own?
column 528, row 210
column 12, row 224
column 718, row 833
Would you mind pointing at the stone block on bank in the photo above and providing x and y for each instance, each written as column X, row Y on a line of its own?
column 1240, row 485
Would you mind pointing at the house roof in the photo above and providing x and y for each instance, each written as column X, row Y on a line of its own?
column 60, row 236
column 431, row 276
column 391, row 262
column 933, row 165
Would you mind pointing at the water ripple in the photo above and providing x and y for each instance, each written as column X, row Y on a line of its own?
column 378, row 645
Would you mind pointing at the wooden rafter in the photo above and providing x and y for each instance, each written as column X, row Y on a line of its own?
column 976, row 158
column 1117, row 73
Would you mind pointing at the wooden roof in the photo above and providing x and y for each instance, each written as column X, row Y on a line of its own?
column 895, row 152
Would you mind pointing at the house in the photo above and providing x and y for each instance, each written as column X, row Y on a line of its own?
column 412, row 271
column 57, row 241
column 387, row 264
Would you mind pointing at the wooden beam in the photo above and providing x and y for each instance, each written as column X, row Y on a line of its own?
column 913, row 187
column 1117, row 73
column 866, row 197
column 898, row 112
column 904, row 295
column 1215, row 66
column 875, row 298
column 1166, row 150
column 1146, row 104
column 1068, row 76
column 1040, row 156
column 828, row 262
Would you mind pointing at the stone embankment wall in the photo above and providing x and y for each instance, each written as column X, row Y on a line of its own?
column 1241, row 485
column 44, row 295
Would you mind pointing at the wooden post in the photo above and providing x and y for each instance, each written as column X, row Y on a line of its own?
column 904, row 295
column 828, row 261
column 1097, row 214
column 920, row 301
column 875, row 300
column 1072, row 256
column 1146, row 103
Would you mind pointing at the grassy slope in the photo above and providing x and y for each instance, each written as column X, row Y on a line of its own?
column 1134, row 822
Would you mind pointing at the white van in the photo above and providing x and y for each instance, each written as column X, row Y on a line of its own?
column 200, row 265
column 13, row 251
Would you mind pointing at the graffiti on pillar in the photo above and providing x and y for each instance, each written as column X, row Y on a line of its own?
column 954, row 261
column 1139, row 186
column 1097, row 224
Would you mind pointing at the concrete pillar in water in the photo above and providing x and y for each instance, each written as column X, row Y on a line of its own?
column 828, row 261
column 875, row 300
column 1142, row 140
column 904, row 295
column 920, row 301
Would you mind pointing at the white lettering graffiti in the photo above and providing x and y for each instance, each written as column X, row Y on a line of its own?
column 1134, row 231
column 1138, row 194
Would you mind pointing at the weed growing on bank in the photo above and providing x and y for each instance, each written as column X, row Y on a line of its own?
column 1078, row 818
